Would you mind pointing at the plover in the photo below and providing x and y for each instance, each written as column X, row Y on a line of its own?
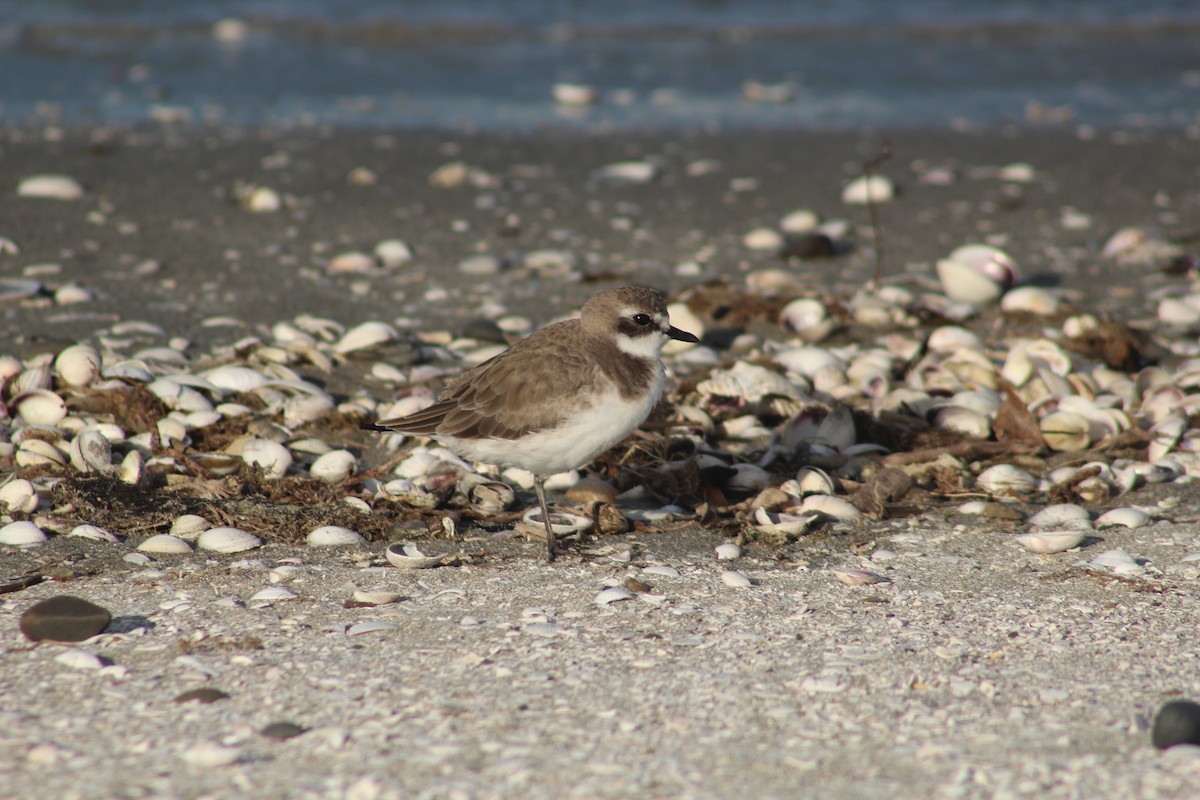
column 554, row 401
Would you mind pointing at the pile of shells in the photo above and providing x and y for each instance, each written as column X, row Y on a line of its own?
column 831, row 410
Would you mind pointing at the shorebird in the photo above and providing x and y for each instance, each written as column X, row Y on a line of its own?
column 554, row 401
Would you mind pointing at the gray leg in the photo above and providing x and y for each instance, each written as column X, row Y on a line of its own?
column 551, row 548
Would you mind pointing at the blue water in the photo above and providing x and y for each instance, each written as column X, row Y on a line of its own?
column 678, row 63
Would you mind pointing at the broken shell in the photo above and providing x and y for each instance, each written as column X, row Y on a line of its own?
column 1123, row 517
column 333, row 536
column 1006, row 479
column 40, row 407
column 21, row 533
column 227, row 540
column 93, row 532
column 39, row 453
column 272, row 594
column 404, row 555
column 1051, row 541
column 19, row 495
column 334, row 467
column 487, row 497
column 273, row 457
column 811, row 480
column 165, row 543
column 788, row 526
column 378, row 598
column 612, row 594
column 858, row 577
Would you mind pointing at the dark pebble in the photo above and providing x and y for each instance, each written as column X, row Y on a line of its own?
column 64, row 619
column 807, row 245
column 483, row 330
column 205, row 694
column 1177, row 722
column 282, row 730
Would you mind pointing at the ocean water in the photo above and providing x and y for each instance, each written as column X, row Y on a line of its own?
column 703, row 64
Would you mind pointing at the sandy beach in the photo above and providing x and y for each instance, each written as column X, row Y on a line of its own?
column 974, row 669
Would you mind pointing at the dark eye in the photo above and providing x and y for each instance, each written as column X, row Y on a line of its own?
column 642, row 319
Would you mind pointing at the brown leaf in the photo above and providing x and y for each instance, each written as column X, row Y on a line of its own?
column 1014, row 421
column 885, row 487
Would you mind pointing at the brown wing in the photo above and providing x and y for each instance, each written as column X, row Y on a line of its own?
column 527, row 388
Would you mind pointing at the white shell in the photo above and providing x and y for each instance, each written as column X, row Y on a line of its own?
column 273, row 457
column 831, row 506
column 165, row 543
column 728, row 551
column 93, row 532
column 79, row 659
column 963, row 420
column 334, row 466
column 1060, row 514
column 404, row 555
column 189, row 526
column 378, row 598
column 1004, row 479
column 354, row 262
column 40, row 407
column 262, row 200
column 1124, row 517
column 333, row 536
column 38, row 452
column 272, row 594
column 371, row 626
column 612, row 594
column 735, row 579
column 573, row 94
column 801, row 220
column 561, row 523
column 176, row 395
column 366, row 334
column 132, row 467
column 19, row 495
column 235, row 378
column 807, row 317
column 1119, row 562
column 1066, row 431
column 763, row 239
column 21, row 534
column 812, row 480
column 1051, row 541
column 393, row 253
column 91, row 451
column 227, row 540
column 858, row 577
column 53, row 187
column 868, row 189
column 78, row 365
column 628, row 172
column 782, row 524
column 1030, row 299
column 306, row 407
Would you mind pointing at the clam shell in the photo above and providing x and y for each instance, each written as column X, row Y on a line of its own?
column 807, row 317
column 781, row 524
column 1051, row 541
column 333, row 536
column 377, row 598
column 176, row 395
column 35, row 377
column 132, row 468
column 963, row 420
column 273, row 457
column 21, row 533
column 1031, row 300
column 189, row 526
column 53, row 187
column 831, row 506
column 233, row 378
column 735, row 579
column 165, row 543
column 869, row 189
column 811, row 480
column 334, row 466
column 93, row 532
column 561, row 523
column 1066, row 431
column 858, row 577
column 613, row 594
column 78, row 365
column 227, row 540
column 1123, row 517
column 405, row 555
column 1061, row 514
column 393, row 253
column 91, row 451
column 271, row 594
column 365, row 335
column 728, row 551
column 40, row 407
column 1006, row 479
column 19, row 495
column 39, row 453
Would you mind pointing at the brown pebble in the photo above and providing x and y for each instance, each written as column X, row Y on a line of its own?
column 282, row 730
column 636, row 586
column 64, row 618
column 1002, row 511
column 592, row 489
column 205, row 695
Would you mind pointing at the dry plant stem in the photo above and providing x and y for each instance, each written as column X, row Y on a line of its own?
column 873, row 208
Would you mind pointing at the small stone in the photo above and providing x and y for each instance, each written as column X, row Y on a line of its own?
column 282, row 730
column 204, row 695
column 64, row 618
column 483, row 330
column 592, row 489
column 211, row 754
column 483, row 264
column 1177, row 722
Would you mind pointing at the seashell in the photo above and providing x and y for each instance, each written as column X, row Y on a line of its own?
column 333, row 536
column 31, row 379
column 561, row 523
column 811, row 480
column 1066, row 431
column 831, row 506
column 628, row 172
column 1060, row 514
column 728, row 551
column 273, row 457
column 78, row 365
column 613, row 594
column 393, row 253
column 371, row 626
column 1031, row 300
column 808, row 361
column 40, row 407
column 93, row 532
column 858, row 577
column 799, row 221
column 833, row 428
column 189, row 526
column 807, row 317
column 869, row 189
column 19, row 495
column 963, row 420
column 91, row 451
column 353, row 262
column 39, row 453
column 272, row 594
column 1123, row 517
column 977, row 274
column 735, row 579
column 1167, row 434
column 227, row 540
column 72, row 293
column 487, row 497
column 1046, row 542
column 177, row 396
column 172, row 431
column 1005, row 479
column 52, row 187
column 165, row 543
column 365, row 335
column 405, row 555
column 132, row 468
column 262, row 200
column 1181, row 311
column 592, row 490
column 747, row 382
column 303, row 408
column 573, row 94
column 380, row 598
column 22, row 533
column 952, row 338
column 334, row 466
column 763, row 239
column 748, row 478
column 79, row 659
column 782, row 524
column 232, row 378
column 1117, row 561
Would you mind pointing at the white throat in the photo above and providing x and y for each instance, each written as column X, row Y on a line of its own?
column 648, row 346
